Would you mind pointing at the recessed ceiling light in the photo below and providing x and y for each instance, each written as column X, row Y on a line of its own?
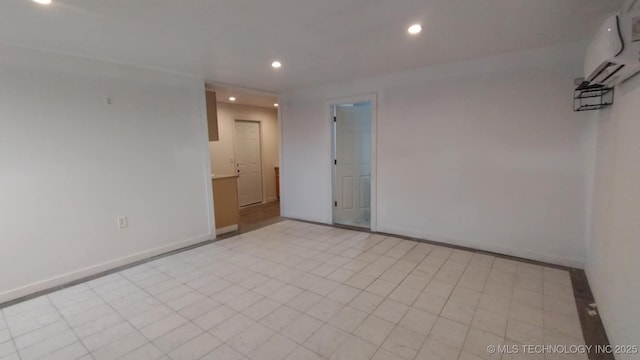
column 415, row 29
column 276, row 64
column 42, row 2
column 276, row 104
column 232, row 98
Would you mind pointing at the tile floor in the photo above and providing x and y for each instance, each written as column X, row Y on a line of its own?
column 298, row 291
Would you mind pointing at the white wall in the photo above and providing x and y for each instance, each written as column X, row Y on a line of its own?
column 222, row 153
column 613, row 268
column 70, row 165
column 486, row 153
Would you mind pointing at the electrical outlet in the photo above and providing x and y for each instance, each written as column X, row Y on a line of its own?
column 123, row 222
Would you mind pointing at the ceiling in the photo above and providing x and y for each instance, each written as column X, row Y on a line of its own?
column 318, row 41
column 244, row 96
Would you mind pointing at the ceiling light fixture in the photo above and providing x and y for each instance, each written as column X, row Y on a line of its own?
column 414, row 29
column 276, row 64
column 276, row 104
column 42, row 2
column 232, row 98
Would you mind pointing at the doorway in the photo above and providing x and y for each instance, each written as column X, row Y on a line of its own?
column 248, row 162
column 352, row 150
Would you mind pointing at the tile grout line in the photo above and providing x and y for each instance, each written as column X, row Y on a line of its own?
column 570, row 270
column 107, row 303
column 124, row 318
column 118, row 269
column 164, row 304
column 243, row 252
column 302, row 291
column 221, row 304
column 190, row 320
column 397, row 285
column 70, row 328
column 171, row 289
column 12, row 338
column 390, row 267
column 449, row 298
column 397, row 259
column 387, row 337
column 378, row 347
column 437, row 243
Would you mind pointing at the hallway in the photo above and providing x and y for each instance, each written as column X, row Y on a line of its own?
column 257, row 216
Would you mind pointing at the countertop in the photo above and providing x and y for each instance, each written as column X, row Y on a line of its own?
column 222, row 176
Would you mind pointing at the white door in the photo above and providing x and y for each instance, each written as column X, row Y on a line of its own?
column 353, row 165
column 249, row 164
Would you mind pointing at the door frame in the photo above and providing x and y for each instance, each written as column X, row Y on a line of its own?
column 372, row 98
column 235, row 157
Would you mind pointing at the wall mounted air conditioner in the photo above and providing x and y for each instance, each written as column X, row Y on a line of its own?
column 614, row 53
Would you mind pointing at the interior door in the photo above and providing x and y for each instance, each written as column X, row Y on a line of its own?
column 353, row 165
column 249, row 164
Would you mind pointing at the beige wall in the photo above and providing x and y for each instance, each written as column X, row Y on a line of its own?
column 485, row 153
column 612, row 263
column 73, row 165
column 223, row 151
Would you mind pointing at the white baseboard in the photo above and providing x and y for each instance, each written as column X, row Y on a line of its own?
column 522, row 253
column 227, row 229
column 97, row 269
